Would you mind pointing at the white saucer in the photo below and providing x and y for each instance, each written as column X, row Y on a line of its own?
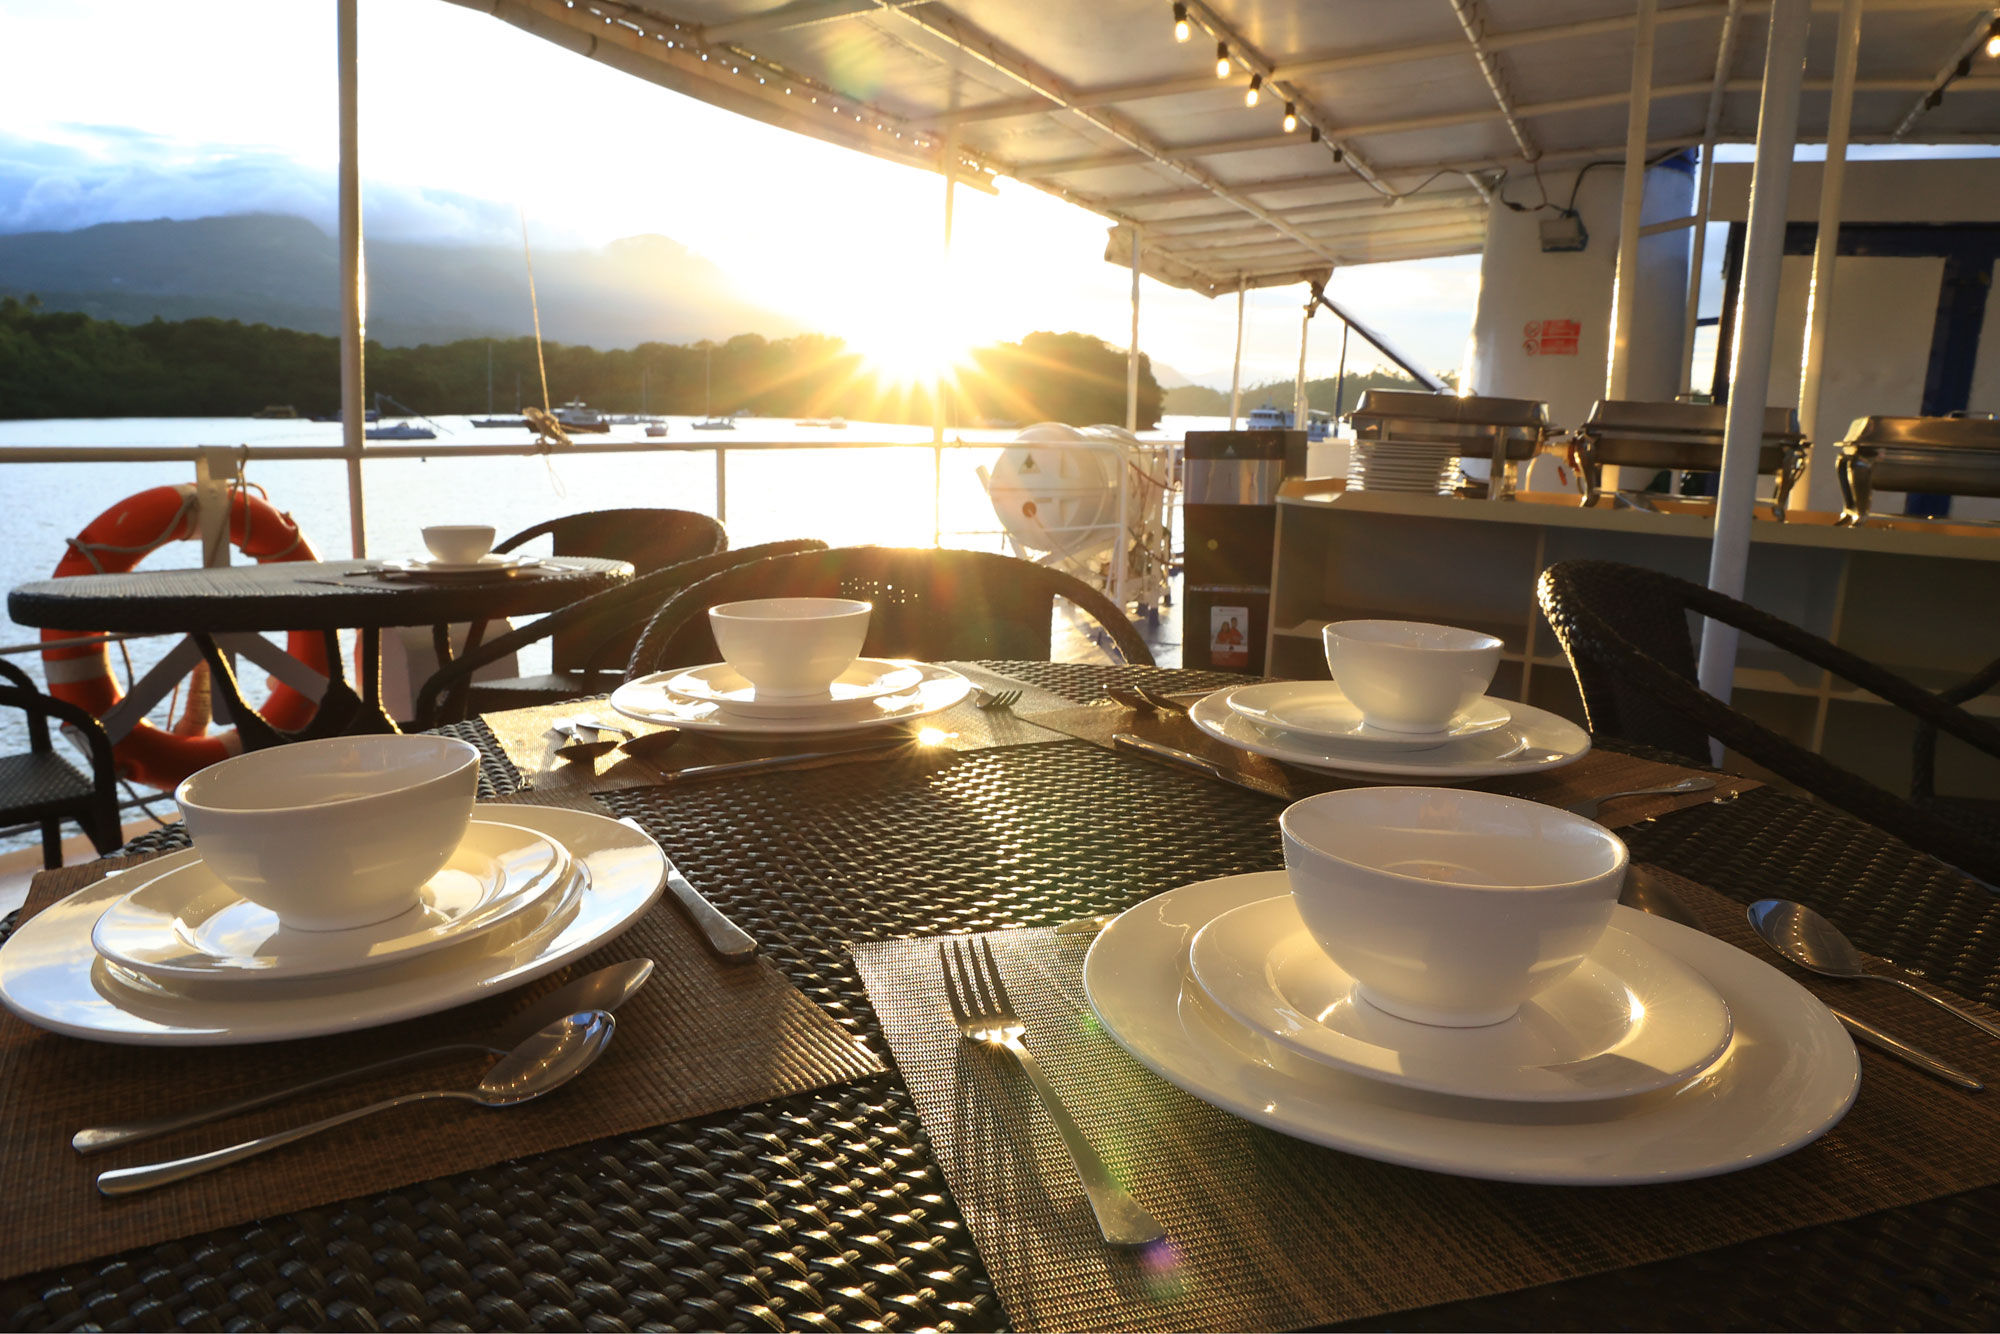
column 936, row 689
column 1535, row 740
column 1629, row 1020
column 487, row 564
column 185, row 925
column 1319, row 709
column 852, row 694
column 51, row 977
column 1789, row 1075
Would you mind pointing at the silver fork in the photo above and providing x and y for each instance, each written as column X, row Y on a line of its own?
column 986, row 1015
column 997, row 700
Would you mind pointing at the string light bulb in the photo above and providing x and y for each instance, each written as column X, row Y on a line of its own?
column 1993, row 39
column 1291, row 117
column 1251, row 93
column 1222, row 60
column 1182, row 28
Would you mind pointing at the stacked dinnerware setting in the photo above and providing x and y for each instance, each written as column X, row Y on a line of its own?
column 333, row 885
column 1444, row 978
column 791, row 666
column 460, row 551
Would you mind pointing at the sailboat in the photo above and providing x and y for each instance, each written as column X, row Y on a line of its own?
column 709, row 421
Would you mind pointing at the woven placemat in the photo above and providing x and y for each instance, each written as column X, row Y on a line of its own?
column 702, row 1036
column 1597, row 773
column 523, row 736
column 1268, row 1232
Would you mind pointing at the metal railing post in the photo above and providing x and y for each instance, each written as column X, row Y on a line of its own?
column 721, row 484
column 353, row 296
column 215, row 472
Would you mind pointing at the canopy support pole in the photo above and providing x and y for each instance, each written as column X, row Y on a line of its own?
column 1725, row 49
column 1625, row 288
column 1236, row 366
column 353, row 295
column 1132, row 349
column 1819, row 296
column 941, row 384
column 1756, row 326
column 1299, row 384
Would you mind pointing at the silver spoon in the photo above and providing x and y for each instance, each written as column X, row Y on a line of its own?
column 1588, row 809
column 542, row 1064
column 1815, row 944
column 605, row 989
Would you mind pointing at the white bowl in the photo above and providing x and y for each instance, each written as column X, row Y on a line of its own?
column 459, row 543
column 791, row 646
column 337, row 833
column 1409, row 676
column 1448, row 906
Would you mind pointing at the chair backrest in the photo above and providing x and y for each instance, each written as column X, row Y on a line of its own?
column 624, row 610
column 652, row 539
column 930, row 604
column 1625, row 631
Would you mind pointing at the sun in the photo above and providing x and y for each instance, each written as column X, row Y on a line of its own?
column 909, row 351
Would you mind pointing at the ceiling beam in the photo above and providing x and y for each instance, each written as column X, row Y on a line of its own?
column 1222, row 224
column 1333, row 228
column 1472, row 17
column 1945, row 75
column 992, row 53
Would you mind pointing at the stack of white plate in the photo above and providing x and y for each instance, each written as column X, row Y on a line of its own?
column 492, row 565
column 1421, row 466
column 717, row 698
column 1667, row 1054
column 1312, row 724
column 166, row 953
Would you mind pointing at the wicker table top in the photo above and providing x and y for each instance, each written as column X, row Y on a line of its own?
column 294, row 595
column 827, row 1210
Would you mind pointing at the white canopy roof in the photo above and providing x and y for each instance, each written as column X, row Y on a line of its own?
column 1422, row 107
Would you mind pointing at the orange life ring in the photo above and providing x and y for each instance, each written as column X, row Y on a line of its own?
column 113, row 543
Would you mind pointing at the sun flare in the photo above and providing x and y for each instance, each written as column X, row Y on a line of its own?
column 906, row 352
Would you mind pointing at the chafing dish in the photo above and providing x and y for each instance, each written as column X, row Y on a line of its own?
column 1958, row 456
column 1634, row 433
column 1501, row 430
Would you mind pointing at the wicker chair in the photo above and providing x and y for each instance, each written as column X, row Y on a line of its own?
column 1627, row 636
column 450, row 695
column 42, row 786
column 929, row 604
column 587, row 654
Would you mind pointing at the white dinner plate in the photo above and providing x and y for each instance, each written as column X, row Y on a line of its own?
column 852, row 694
column 1630, row 1019
column 1789, row 1075
column 485, row 565
column 1535, row 740
column 51, row 977
column 936, row 689
column 183, row 924
column 1319, row 709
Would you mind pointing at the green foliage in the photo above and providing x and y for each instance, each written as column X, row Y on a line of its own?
column 62, row 364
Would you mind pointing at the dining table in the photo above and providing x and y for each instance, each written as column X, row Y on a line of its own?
column 883, row 1197
column 225, row 610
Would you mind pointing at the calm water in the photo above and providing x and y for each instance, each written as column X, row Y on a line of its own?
column 839, row 495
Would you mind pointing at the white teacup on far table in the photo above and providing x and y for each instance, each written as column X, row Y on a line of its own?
column 459, row 543
column 1448, row 906
column 787, row 647
column 1409, row 676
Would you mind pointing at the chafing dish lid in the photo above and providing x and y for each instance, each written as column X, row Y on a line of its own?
column 1634, row 418
column 1895, row 434
column 1472, row 410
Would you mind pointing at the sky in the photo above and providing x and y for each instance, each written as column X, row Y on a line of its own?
column 134, row 109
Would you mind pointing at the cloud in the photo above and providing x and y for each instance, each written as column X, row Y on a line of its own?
column 90, row 174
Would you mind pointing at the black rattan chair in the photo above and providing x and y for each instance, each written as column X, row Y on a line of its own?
column 615, row 613
column 1626, row 632
column 929, row 604
column 42, row 786
column 587, row 654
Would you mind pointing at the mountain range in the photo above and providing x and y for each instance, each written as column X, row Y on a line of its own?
column 265, row 268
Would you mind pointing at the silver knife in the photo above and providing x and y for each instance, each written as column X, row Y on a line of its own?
column 873, row 750
column 724, row 937
column 1187, row 759
column 1904, row 1052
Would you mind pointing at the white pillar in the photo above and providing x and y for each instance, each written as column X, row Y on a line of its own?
column 945, row 295
column 1819, row 297
column 1756, row 323
column 1625, row 288
column 1132, row 349
column 353, row 279
column 1697, row 257
column 1299, row 384
column 1236, row 366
